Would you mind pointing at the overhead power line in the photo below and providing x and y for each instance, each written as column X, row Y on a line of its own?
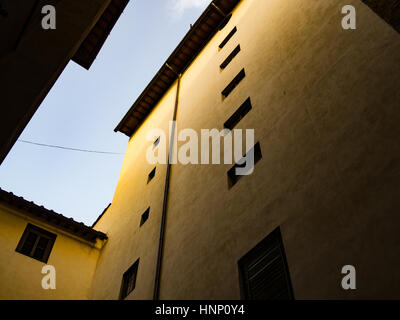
column 67, row 148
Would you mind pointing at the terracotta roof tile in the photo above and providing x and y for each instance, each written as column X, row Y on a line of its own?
column 69, row 225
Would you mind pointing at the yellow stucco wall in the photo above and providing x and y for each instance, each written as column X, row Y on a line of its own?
column 21, row 276
column 121, row 221
column 325, row 111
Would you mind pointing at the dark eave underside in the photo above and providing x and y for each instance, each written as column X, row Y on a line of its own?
column 50, row 217
column 191, row 45
column 91, row 46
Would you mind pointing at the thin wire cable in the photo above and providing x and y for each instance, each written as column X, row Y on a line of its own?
column 66, row 148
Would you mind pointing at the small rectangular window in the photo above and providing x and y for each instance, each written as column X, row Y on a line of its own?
column 225, row 22
column 228, row 37
column 129, row 280
column 145, row 217
column 238, row 115
column 233, row 177
column 151, row 175
column 233, row 84
column 36, row 243
column 230, row 57
column 264, row 274
column 156, row 142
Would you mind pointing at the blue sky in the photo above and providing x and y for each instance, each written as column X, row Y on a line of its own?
column 83, row 108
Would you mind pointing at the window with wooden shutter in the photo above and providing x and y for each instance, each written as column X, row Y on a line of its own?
column 264, row 273
column 36, row 243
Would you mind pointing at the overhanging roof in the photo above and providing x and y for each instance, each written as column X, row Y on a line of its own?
column 213, row 18
column 50, row 217
column 91, row 46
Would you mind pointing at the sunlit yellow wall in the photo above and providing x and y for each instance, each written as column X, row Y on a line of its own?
column 121, row 221
column 21, row 277
column 326, row 113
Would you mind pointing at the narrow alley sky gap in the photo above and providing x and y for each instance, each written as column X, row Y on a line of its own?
column 83, row 108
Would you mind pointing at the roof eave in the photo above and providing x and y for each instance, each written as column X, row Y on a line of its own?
column 212, row 13
column 52, row 218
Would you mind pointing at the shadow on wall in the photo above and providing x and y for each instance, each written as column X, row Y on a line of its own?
column 388, row 10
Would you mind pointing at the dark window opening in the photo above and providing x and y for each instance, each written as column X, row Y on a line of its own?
column 129, row 280
column 231, row 86
column 228, row 37
column 233, row 177
column 36, row 243
column 151, row 175
column 264, row 273
column 230, row 57
column 156, row 142
column 145, row 217
column 225, row 22
column 238, row 115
